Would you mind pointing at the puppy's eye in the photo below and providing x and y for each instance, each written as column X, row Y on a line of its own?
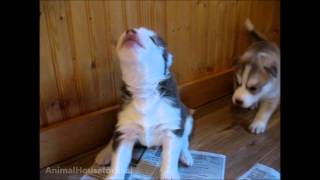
column 252, row 89
column 238, row 84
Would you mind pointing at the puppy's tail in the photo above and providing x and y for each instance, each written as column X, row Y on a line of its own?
column 256, row 35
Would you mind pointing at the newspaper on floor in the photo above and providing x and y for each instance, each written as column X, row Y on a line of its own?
column 146, row 165
column 260, row 171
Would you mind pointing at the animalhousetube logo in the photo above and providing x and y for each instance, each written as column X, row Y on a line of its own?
column 78, row 170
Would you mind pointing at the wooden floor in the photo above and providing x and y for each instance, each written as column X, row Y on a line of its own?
column 219, row 128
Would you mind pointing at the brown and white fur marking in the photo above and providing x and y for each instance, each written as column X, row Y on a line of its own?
column 152, row 113
column 257, row 79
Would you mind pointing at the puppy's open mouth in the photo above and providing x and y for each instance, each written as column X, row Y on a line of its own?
column 131, row 40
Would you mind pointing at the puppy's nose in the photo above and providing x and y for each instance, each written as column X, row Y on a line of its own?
column 238, row 101
column 132, row 31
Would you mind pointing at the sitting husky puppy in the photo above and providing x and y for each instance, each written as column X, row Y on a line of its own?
column 152, row 113
column 257, row 79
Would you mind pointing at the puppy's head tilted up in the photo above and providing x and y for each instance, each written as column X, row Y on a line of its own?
column 143, row 56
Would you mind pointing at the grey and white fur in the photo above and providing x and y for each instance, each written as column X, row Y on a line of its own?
column 257, row 79
column 151, row 112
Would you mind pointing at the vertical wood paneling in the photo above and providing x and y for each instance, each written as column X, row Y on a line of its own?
column 75, row 63
column 212, row 40
column 99, row 18
column 160, row 18
column 133, row 18
column 242, row 38
column 124, row 14
column 221, row 34
column 275, row 29
column 147, row 13
column 79, row 70
column 48, row 87
column 41, row 121
column 179, row 31
column 43, row 115
column 85, row 54
column 229, row 34
column 62, row 59
column 261, row 14
column 117, row 26
column 199, row 35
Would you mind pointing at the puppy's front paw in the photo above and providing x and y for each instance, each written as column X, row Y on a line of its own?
column 186, row 158
column 257, row 127
column 170, row 175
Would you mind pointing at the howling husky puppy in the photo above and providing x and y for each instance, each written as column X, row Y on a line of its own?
column 152, row 113
column 257, row 79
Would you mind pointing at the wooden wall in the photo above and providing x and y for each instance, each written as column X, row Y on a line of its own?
column 79, row 71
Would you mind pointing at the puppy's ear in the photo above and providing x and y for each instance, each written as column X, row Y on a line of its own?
column 268, row 64
column 169, row 60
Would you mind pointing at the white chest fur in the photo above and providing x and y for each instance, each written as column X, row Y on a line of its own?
column 148, row 120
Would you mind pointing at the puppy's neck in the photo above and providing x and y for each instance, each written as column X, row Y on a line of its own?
column 143, row 86
column 141, row 81
column 145, row 96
